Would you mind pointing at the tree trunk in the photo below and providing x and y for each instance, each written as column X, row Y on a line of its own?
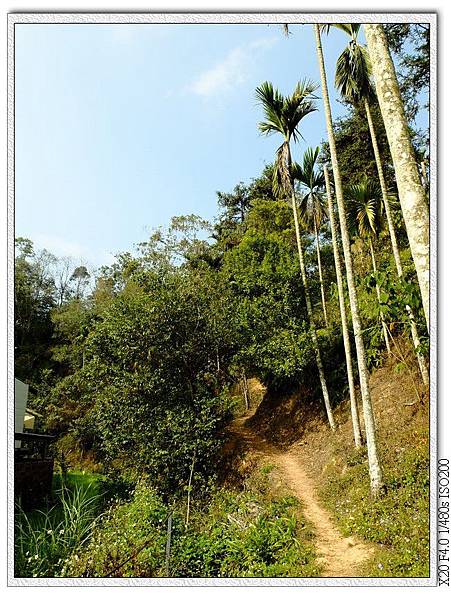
column 411, row 193
column 378, row 294
column 424, row 175
column 320, row 272
column 394, row 242
column 344, row 320
column 319, row 362
column 245, row 391
column 374, row 466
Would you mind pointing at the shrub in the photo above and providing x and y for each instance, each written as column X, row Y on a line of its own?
column 130, row 541
column 245, row 537
column 243, row 534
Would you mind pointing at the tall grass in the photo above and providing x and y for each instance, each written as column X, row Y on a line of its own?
column 44, row 539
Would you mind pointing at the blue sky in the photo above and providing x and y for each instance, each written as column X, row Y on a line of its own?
column 120, row 127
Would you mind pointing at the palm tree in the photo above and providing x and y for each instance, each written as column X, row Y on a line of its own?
column 374, row 465
column 411, row 193
column 313, row 206
column 365, row 216
column 353, row 81
column 344, row 319
column 283, row 115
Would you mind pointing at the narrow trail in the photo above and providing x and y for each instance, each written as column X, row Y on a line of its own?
column 340, row 556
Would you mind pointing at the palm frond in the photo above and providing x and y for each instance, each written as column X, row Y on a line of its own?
column 285, row 29
column 299, row 105
column 353, row 74
column 325, row 27
column 283, row 114
column 272, row 102
column 296, row 171
column 282, row 182
column 352, row 29
column 313, row 202
column 365, row 207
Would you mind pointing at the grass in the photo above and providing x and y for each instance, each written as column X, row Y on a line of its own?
column 397, row 522
column 45, row 538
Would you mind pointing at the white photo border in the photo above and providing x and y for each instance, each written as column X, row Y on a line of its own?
column 228, row 18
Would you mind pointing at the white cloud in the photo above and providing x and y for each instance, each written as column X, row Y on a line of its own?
column 234, row 70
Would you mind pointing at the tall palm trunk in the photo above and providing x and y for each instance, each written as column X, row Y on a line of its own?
column 378, row 294
column 394, row 242
column 319, row 362
column 411, row 193
column 374, row 465
column 289, row 186
column 344, row 320
column 424, row 175
column 320, row 272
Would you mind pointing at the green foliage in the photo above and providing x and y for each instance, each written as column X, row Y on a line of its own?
column 263, row 273
column 411, row 44
column 284, row 113
column 313, row 203
column 137, row 370
column 136, row 524
column 151, row 391
column 244, row 534
column 45, row 539
column 353, row 71
column 354, row 147
column 34, row 291
column 396, row 294
column 236, row 204
column 244, row 537
column 364, row 203
column 398, row 521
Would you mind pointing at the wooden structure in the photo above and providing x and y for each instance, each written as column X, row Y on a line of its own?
column 33, row 468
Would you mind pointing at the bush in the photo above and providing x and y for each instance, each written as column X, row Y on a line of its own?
column 150, row 389
column 130, row 541
column 245, row 537
column 241, row 534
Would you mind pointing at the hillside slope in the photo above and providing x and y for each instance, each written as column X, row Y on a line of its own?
column 397, row 524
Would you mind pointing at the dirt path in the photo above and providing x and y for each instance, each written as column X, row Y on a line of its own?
column 341, row 556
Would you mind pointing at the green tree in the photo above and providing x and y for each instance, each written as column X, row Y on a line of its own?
column 283, row 115
column 365, row 216
column 236, row 204
column 34, row 299
column 313, row 205
column 262, row 272
column 150, row 394
column 81, row 278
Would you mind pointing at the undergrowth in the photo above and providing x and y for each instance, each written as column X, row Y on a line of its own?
column 398, row 521
column 45, row 538
column 250, row 533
